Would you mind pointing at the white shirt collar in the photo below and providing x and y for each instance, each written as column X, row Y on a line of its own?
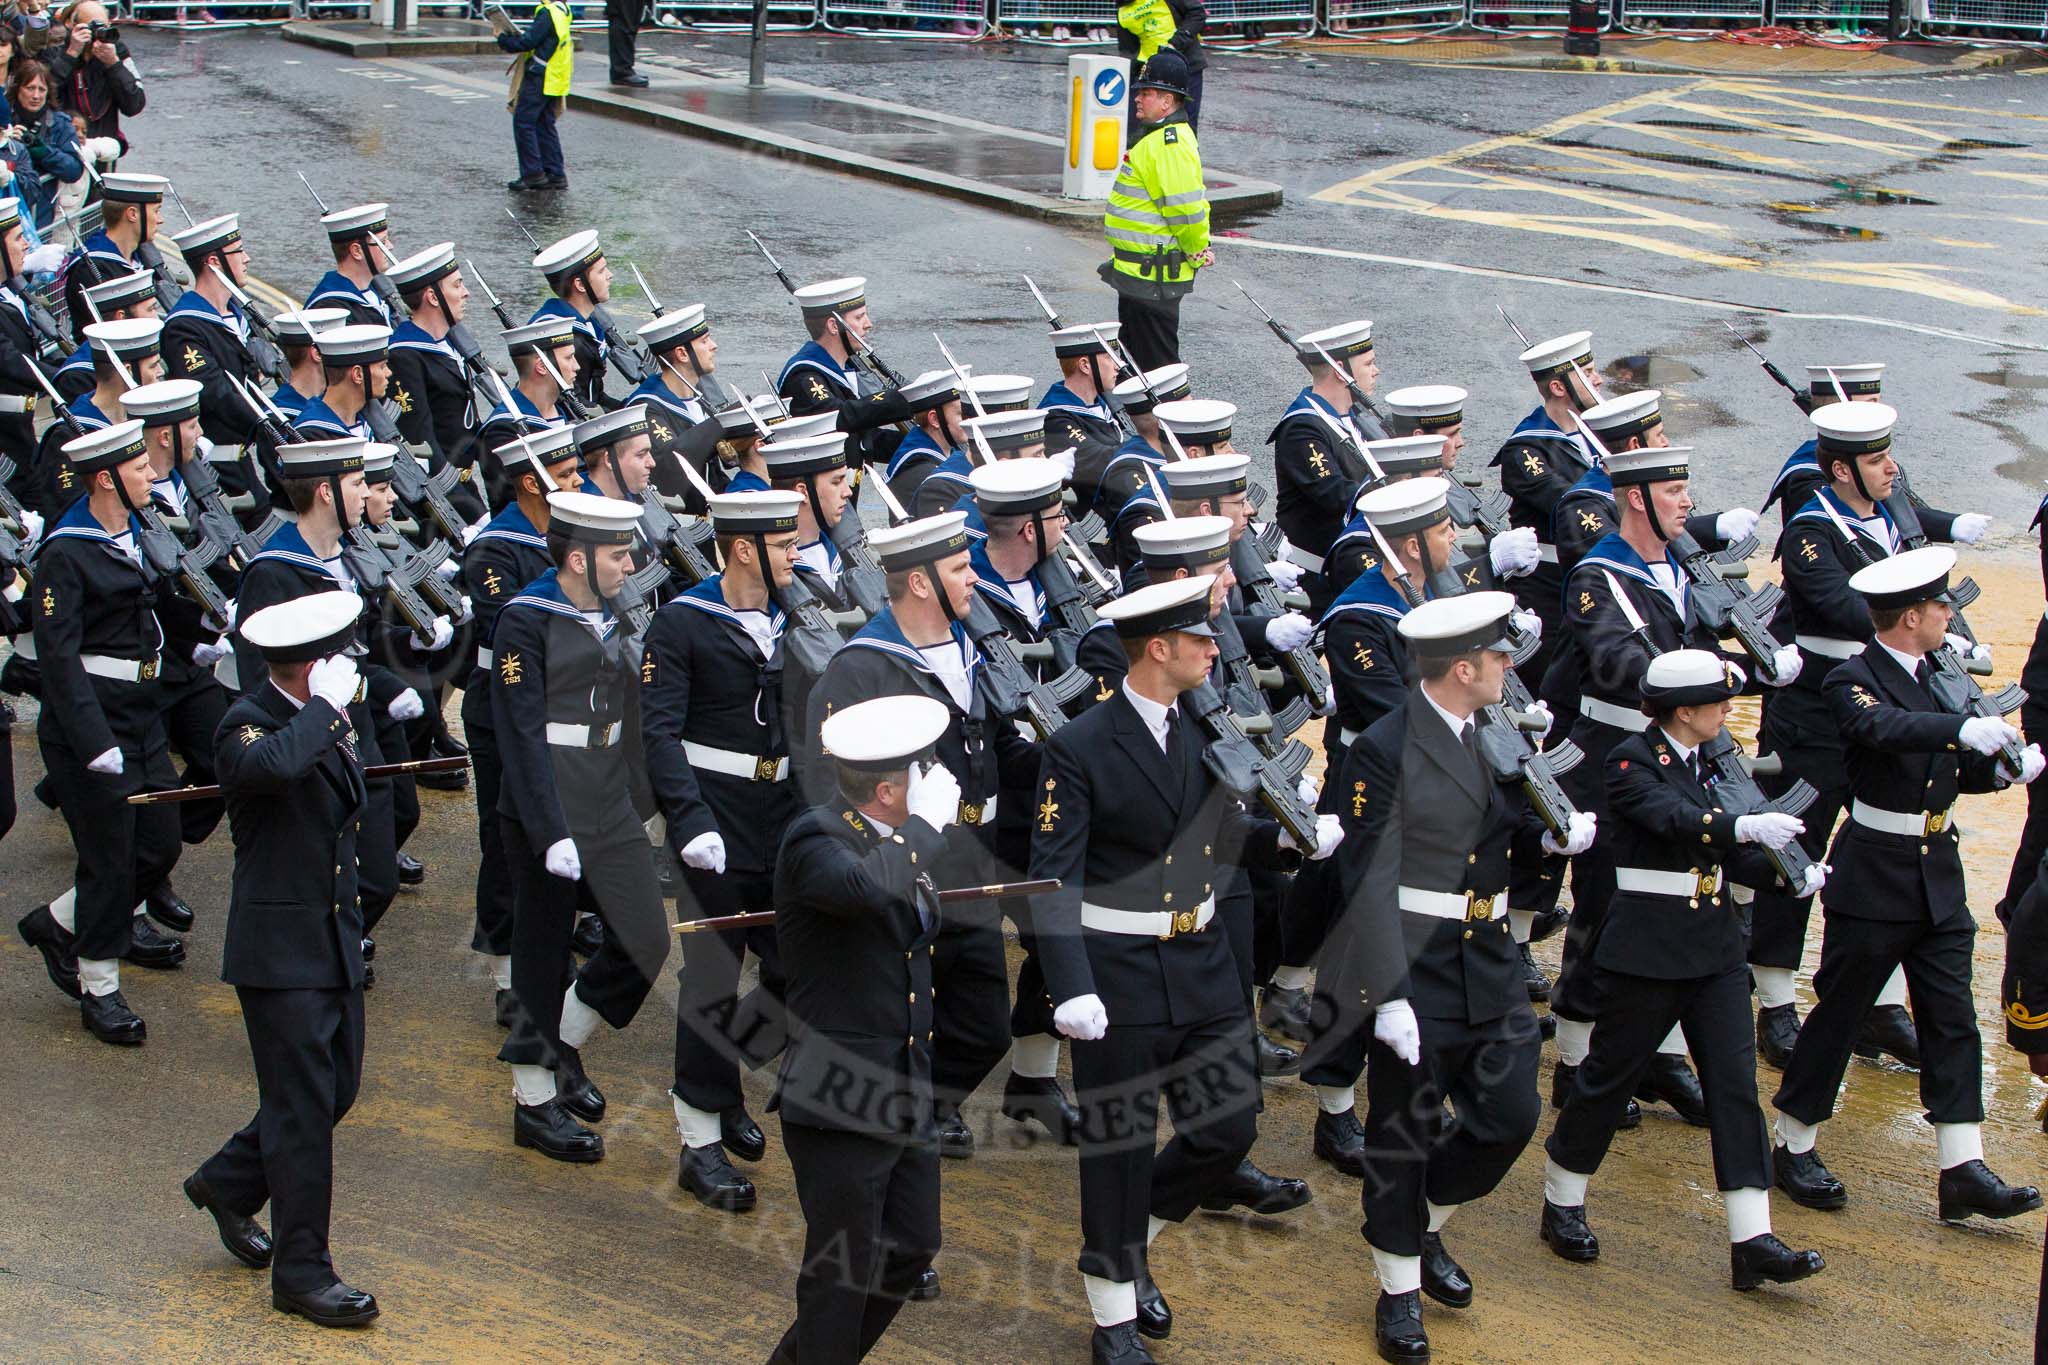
column 297, row 705
column 880, row 827
column 1456, row 723
column 1684, row 754
column 1149, row 711
column 1909, row 662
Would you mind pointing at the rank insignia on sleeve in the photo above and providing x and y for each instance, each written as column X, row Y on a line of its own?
column 192, row 359
column 1472, row 577
column 49, row 602
column 492, row 583
column 1808, row 551
column 1362, row 657
column 400, row 398
column 1048, row 809
column 661, row 433
column 1589, row 520
column 855, row 822
column 1532, row 462
column 1585, row 601
column 819, row 391
column 250, row 734
column 1861, row 697
column 647, row 670
column 1318, row 463
column 1106, row 691
column 1357, row 800
column 511, row 671
column 65, row 478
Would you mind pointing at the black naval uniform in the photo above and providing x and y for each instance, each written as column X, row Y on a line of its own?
column 1538, row 465
column 2026, row 859
column 19, row 391
column 430, row 390
column 202, row 343
column 293, row 781
column 193, row 701
column 812, row 381
column 1319, row 471
column 855, row 915
column 1090, row 430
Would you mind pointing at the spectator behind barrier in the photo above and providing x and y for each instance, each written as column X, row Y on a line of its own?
column 48, row 137
column 95, row 80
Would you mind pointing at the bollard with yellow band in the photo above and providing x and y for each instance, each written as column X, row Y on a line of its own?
column 1098, row 94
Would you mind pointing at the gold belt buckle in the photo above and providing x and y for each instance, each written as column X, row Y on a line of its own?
column 766, row 769
column 1706, row 883
column 1478, row 907
column 149, row 670
column 1185, row 921
column 1937, row 821
column 970, row 812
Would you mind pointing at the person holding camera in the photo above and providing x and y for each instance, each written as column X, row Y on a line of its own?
column 92, row 76
column 47, row 135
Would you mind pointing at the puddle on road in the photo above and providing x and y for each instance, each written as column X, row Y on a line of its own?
column 2008, row 379
column 1795, row 215
column 1645, row 371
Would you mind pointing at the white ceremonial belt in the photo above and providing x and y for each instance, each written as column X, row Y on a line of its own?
column 977, row 812
column 735, row 764
column 1451, row 904
column 1545, row 553
column 1913, row 824
column 1296, row 555
column 1651, row 882
column 17, row 403
column 119, row 669
column 583, row 736
column 1150, row 923
column 484, row 658
column 1828, row 647
column 1620, row 717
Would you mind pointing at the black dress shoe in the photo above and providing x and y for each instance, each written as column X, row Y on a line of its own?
column 411, row 871
column 558, row 182
column 1043, row 1099
column 1566, row 1232
column 369, row 948
column 1631, row 1117
column 706, row 1174
column 39, row 930
column 1777, row 1031
column 1533, row 977
column 110, row 1019
column 550, row 1130
column 1443, row 1279
column 1888, row 1028
column 244, row 1238
column 168, row 908
column 1274, row 1059
column 741, row 1136
column 151, row 947
column 335, row 1306
column 1118, row 1345
column 1805, row 1181
column 1285, row 1010
column 505, row 1005
column 527, row 183
column 445, row 745
column 1974, row 1188
column 631, row 78
column 1767, row 1258
column 369, row 976
column 1252, row 1188
column 1669, row 1078
column 1340, row 1140
column 1547, row 923
column 956, row 1139
column 453, row 780
column 1397, row 1328
column 1155, row 1314
column 574, row 1089
column 589, row 936
column 926, row 1287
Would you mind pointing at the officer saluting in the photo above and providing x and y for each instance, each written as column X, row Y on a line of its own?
column 293, row 781
column 855, row 915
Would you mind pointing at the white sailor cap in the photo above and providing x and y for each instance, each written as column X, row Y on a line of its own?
column 318, row 459
column 541, row 334
column 1445, row 627
column 379, row 457
column 792, row 457
column 215, row 234
column 1010, row 488
column 756, row 513
column 592, row 519
column 128, row 338
column 1632, row 414
column 933, row 389
column 108, row 448
column 1401, row 456
column 538, row 449
column 1906, row 578
column 1184, row 542
column 1167, row 384
column 10, row 211
column 1001, row 392
column 303, row 326
column 1176, row 604
column 1205, row 476
column 1689, row 677
column 842, row 295
column 133, row 187
column 1007, row 430
column 1400, row 509
column 345, row 225
column 121, row 291
column 578, row 251
column 1859, row 380
column 1428, row 407
column 1343, row 341
column 1853, row 429
column 1651, row 464
column 415, row 273
column 1198, row 421
column 164, row 403
column 925, row 540
column 304, row 628
column 1557, row 356
column 1092, row 339
column 738, row 419
column 359, row 343
column 610, row 428
column 885, row 734
column 809, row 425
column 675, row 327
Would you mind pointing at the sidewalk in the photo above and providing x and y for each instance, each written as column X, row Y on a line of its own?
column 1666, row 56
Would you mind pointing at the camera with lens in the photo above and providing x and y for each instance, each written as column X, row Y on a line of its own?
column 103, row 32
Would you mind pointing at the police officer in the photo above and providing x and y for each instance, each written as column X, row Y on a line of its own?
column 823, row 376
column 131, row 212
column 1316, row 445
column 1157, row 221
column 575, row 268
column 936, row 437
column 1896, row 896
column 1672, row 952
column 430, row 383
column 1078, row 415
column 856, row 917
column 291, row 770
column 355, row 362
column 206, row 337
column 356, row 236
column 716, row 727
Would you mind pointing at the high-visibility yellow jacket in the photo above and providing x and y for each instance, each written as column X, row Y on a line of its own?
column 1151, row 22
column 563, row 61
column 1158, row 212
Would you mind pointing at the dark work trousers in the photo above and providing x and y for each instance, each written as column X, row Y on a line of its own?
column 308, row 1049
column 1576, row 995
column 1150, row 330
column 533, row 127
column 1636, row 1012
column 717, row 1028
column 493, row 877
column 120, row 848
column 377, row 841
column 191, row 717
column 1778, row 919
column 1205, row 1073
column 1488, row 1072
column 1310, row 910
column 1857, row 956
column 394, row 741
column 871, row 1226
column 622, row 24
column 1031, row 1014
column 2026, row 859
column 970, row 1004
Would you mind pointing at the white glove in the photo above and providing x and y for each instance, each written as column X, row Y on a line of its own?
column 466, row 613
column 1579, row 832
column 1816, row 877
column 1735, row 523
column 205, row 655
column 1987, row 734
column 31, row 526
column 1083, row 1018
column 470, row 531
column 706, row 852
column 561, row 860
column 1514, row 552
column 1969, row 527
column 111, row 763
column 1288, row 630
column 933, row 793
column 1964, row 649
column 1286, row 574
column 1527, row 622
column 1771, row 829
column 1329, row 834
column 43, row 259
column 106, row 149
column 1549, row 721
column 1305, row 787
column 449, row 567
column 1394, row 1024
column 1785, row 666
column 2031, row 763
column 1065, row 461
column 443, row 633
column 334, row 681
column 406, row 706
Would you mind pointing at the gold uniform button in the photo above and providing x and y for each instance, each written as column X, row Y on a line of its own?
column 1471, row 858
column 1468, row 933
column 1168, row 899
column 1923, row 850
column 1692, row 904
column 1706, row 838
column 913, row 997
column 896, row 838
column 1169, row 860
column 906, row 957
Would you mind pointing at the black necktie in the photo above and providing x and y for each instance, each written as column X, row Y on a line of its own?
column 1923, row 672
column 1173, row 757
column 1692, row 761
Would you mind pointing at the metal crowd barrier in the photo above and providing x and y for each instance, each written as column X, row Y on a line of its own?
column 2017, row 19
column 1860, row 13
column 1526, row 16
column 1635, row 14
column 955, row 19
column 1355, row 16
column 195, row 14
column 784, row 16
column 1261, row 19
column 1021, row 18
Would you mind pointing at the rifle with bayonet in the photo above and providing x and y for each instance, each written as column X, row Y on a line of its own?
column 1270, row 780
column 623, row 351
column 1300, row 662
column 394, row 305
column 856, row 345
column 265, row 351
